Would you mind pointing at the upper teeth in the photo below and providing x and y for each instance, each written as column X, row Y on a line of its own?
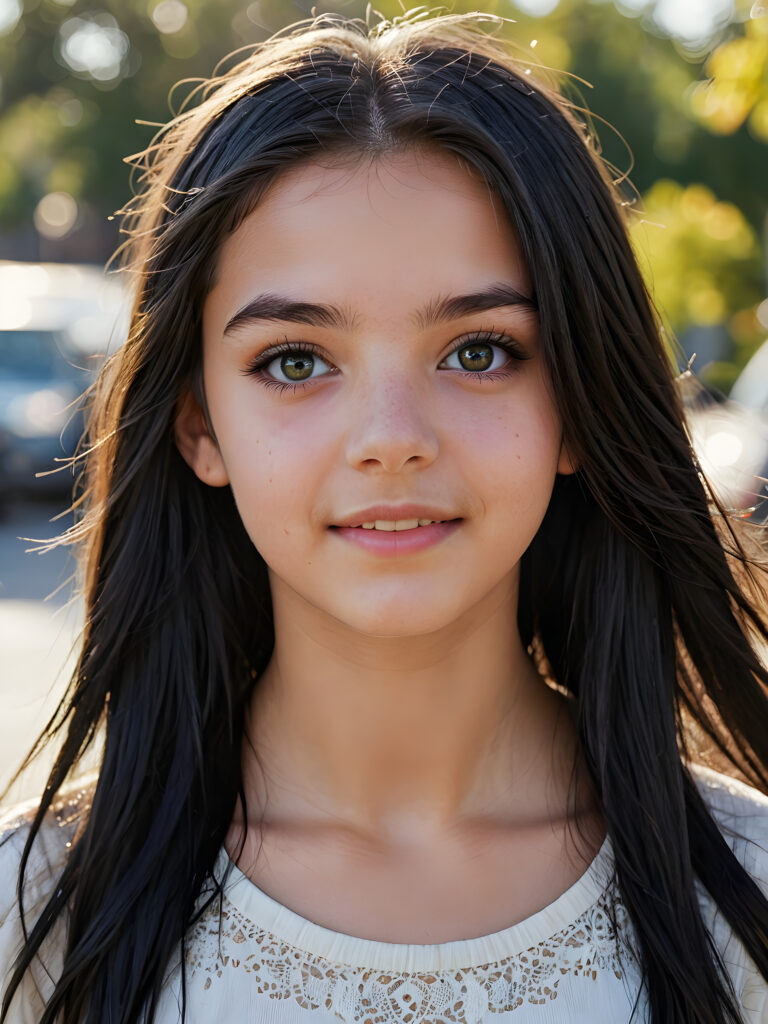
column 398, row 524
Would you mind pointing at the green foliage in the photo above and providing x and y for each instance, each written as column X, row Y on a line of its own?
column 701, row 259
column 736, row 91
column 700, row 256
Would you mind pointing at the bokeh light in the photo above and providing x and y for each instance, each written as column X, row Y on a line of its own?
column 70, row 112
column 692, row 22
column 94, row 45
column 10, row 12
column 56, row 215
column 170, row 16
column 537, row 8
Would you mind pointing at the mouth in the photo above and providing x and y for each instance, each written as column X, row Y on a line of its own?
column 396, row 525
column 397, row 538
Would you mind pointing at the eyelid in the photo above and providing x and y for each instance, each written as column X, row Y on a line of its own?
column 498, row 339
column 273, row 351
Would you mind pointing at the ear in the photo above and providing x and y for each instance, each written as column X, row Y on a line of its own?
column 197, row 446
column 565, row 464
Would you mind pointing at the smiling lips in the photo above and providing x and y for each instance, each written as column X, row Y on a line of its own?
column 393, row 525
column 395, row 517
column 397, row 537
column 396, row 529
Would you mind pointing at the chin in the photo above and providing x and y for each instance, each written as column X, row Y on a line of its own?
column 400, row 623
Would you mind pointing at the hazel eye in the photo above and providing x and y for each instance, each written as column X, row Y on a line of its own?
column 474, row 357
column 481, row 356
column 295, row 366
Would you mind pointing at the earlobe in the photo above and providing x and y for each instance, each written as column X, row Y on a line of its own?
column 198, row 449
column 565, row 464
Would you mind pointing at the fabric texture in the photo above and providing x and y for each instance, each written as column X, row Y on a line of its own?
column 250, row 959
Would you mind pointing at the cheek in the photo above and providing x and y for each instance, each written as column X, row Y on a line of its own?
column 509, row 456
column 511, row 447
column 277, row 460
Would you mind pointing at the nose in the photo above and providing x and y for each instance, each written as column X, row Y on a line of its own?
column 391, row 427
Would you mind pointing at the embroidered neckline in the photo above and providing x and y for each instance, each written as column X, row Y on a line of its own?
column 289, row 927
column 225, row 942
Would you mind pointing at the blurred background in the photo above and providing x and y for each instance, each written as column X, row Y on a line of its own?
column 678, row 91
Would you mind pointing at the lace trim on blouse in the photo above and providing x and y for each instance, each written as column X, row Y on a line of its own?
column 588, row 945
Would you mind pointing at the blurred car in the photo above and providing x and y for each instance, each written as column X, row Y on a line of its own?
column 40, row 386
column 56, row 322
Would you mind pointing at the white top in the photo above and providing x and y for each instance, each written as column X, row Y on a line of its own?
column 261, row 962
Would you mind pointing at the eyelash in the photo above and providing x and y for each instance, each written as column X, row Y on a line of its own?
column 255, row 367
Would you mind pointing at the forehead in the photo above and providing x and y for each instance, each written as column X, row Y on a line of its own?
column 374, row 234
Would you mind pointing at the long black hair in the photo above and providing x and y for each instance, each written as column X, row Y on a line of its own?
column 636, row 589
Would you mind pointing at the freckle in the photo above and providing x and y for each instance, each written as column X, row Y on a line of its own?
column 270, row 479
column 518, row 456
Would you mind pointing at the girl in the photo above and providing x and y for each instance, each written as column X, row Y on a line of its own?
column 410, row 620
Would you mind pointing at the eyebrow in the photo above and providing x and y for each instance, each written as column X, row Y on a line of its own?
column 271, row 307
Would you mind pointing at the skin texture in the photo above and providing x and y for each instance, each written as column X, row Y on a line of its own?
column 404, row 762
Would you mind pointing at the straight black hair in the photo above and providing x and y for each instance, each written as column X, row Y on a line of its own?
column 636, row 592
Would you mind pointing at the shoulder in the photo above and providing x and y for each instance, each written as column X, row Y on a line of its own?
column 48, row 852
column 46, row 860
column 741, row 814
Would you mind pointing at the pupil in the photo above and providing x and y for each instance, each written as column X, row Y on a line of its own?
column 297, row 367
column 476, row 357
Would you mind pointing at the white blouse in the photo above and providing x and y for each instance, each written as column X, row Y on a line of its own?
column 253, row 960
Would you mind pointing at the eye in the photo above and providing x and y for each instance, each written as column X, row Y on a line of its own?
column 485, row 353
column 288, row 365
column 295, row 366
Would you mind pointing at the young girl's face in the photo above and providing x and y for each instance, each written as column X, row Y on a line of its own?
column 382, row 387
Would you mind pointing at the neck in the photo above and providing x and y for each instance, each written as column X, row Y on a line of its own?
column 378, row 732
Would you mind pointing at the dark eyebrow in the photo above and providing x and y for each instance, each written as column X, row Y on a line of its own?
column 272, row 307
column 455, row 306
column 269, row 307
